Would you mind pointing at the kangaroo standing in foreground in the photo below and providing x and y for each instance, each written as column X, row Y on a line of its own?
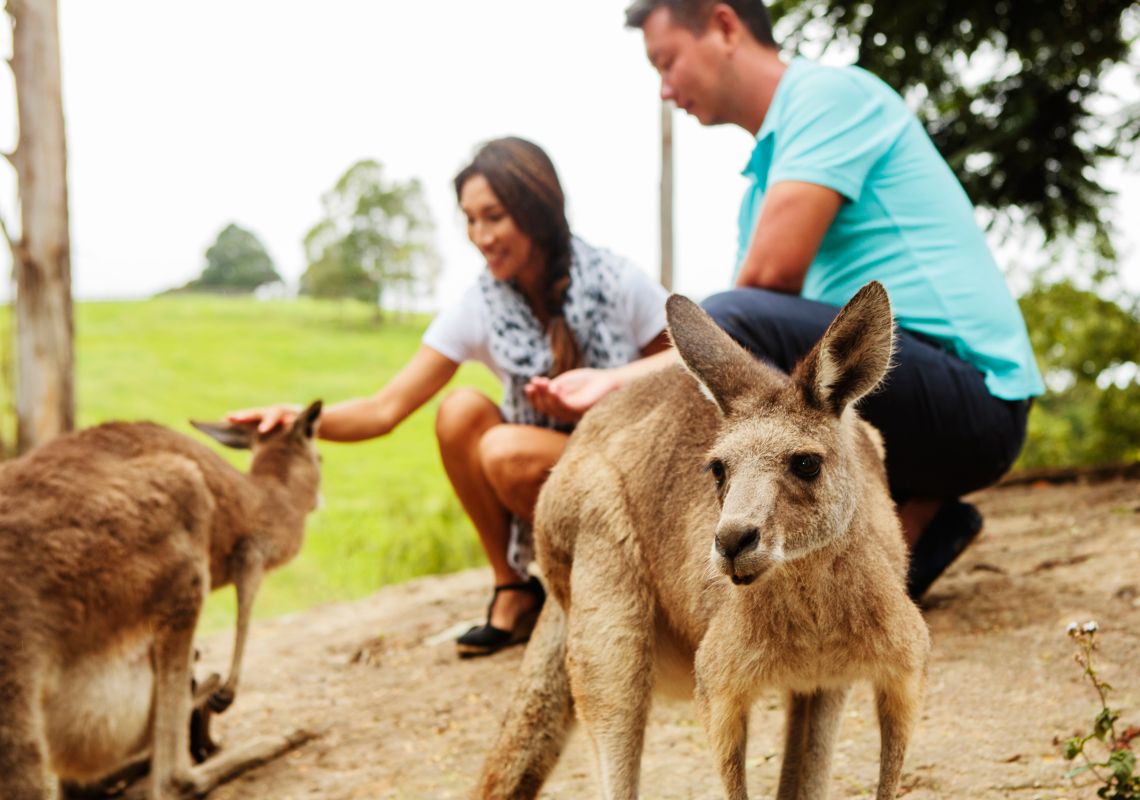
column 735, row 529
column 110, row 540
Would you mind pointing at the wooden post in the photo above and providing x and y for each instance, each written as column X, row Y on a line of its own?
column 667, row 194
column 41, row 255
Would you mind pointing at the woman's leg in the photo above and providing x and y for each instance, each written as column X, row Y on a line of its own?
column 495, row 469
column 463, row 417
column 517, row 460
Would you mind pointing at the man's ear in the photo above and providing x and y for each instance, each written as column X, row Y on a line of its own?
column 724, row 22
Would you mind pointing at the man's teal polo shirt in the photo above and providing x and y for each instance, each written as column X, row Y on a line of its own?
column 905, row 222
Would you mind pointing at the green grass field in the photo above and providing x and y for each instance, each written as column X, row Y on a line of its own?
column 388, row 513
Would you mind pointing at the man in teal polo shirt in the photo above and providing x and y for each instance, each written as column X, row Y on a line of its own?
column 846, row 187
column 902, row 218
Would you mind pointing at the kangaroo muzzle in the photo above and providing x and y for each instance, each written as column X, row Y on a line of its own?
column 740, row 552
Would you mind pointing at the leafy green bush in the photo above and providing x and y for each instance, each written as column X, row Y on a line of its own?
column 1088, row 349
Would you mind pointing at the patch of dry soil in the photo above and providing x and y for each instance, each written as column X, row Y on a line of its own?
column 401, row 717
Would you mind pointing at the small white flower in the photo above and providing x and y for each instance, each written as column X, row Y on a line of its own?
column 1072, row 628
column 1090, row 627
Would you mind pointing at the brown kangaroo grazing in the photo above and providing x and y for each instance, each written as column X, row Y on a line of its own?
column 735, row 532
column 110, row 540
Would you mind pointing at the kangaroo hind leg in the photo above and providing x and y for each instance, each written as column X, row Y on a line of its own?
column 24, row 771
column 798, row 707
column 898, row 703
column 538, row 718
column 183, row 593
column 725, row 718
column 724, row 694
column 812, row 726
column 610, row 658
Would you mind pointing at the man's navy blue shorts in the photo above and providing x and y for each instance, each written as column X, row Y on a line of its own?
column 945, row 434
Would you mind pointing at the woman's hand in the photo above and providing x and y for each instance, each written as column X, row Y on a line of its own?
column 266, row 417
column 571, row 394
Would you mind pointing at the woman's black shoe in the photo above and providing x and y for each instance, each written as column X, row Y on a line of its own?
column 950, row 532
column 482, row 640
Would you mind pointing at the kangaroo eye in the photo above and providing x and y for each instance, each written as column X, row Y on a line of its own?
column 806, row 466
column 716, row 467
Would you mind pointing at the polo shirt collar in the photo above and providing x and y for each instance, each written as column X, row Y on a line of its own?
column 761, row 157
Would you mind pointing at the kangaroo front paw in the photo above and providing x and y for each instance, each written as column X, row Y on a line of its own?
column 220, row 700
column 205, row 690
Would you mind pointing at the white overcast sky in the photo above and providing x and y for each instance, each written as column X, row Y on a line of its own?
column 183, row 117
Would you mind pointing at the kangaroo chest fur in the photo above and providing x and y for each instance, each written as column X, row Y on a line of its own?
column 803, row 639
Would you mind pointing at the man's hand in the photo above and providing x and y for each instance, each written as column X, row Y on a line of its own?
column 568, row 396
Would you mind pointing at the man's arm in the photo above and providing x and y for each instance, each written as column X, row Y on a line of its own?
column 793, row 220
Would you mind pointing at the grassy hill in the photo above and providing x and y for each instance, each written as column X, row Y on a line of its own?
column 388, row 512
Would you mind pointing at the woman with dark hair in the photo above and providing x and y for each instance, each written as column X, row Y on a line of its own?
column 547, row 302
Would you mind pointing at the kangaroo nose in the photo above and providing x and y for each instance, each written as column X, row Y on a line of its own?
column 733, row 543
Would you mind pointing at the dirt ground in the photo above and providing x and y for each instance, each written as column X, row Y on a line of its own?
column 401, row 717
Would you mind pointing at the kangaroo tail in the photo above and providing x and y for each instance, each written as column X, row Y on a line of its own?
column 538, row 719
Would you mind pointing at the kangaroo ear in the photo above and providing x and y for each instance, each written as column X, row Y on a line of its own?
column 305, row 425
column 231, row 434
column 854, row 353
column 725, row 371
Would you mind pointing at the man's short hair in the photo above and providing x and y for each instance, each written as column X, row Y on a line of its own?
column 694, row 15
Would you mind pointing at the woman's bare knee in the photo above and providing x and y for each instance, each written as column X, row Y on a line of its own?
column 503, row 454
column 517, row 460
column 463, row 416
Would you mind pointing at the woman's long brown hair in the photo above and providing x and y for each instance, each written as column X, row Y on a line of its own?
column 524, row 180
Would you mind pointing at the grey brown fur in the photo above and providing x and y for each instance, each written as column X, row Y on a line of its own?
column 110, row 540
column 774, row 578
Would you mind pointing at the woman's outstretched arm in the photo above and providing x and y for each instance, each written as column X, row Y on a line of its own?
column 367, row 417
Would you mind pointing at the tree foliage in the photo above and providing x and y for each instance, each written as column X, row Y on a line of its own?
column 235, row 263
column 375, row 239
column 1011, row 91
column 1088, row 349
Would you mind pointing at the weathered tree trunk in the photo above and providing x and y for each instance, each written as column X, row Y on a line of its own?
column 45, row 402
column 666, row 206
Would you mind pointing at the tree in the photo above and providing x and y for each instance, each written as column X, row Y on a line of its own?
column 1087, row 347
column 375, row 239
column 235, row 263
column 41, row 254
column 1011, row 91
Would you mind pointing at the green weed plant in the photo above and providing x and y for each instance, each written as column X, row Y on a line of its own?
column 1104, row 752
